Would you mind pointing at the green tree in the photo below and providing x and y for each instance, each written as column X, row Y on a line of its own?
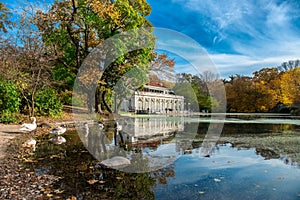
column 196, row 90
column 74, row 28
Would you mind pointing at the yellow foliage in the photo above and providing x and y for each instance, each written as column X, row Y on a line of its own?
column 290, row 86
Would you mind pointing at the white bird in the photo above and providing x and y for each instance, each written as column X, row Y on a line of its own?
column 58, row 130
column 101, row 126
column 29, row 144
column 29, row 127
column 86, row 129
column 58, row 140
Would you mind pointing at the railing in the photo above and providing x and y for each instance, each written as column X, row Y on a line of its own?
column 158, row 95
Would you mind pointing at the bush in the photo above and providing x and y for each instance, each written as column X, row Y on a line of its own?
column 47, row 103
column 66, row 97
column 8, row 117
column 9, row 102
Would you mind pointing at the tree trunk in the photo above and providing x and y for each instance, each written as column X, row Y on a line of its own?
column 118, row 106
column 105, row 103
column 115, row 104
column 32, row 106
column 90, row 99
column 98, row 108
column 34, row 89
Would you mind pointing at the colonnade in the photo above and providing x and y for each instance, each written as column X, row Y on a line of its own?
column 151, row 102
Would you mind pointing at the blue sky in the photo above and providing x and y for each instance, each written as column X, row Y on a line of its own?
column 240, row 36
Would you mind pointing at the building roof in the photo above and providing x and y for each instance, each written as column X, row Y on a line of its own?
column 156, row 87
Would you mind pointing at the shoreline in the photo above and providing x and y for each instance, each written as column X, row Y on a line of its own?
column 7, row 135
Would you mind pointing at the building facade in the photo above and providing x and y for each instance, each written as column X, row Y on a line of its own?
column 155, row 99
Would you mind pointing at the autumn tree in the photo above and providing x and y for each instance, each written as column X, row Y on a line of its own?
column 5, row 22
column 8, row 51
column 290, row 87
column 26, row 61
column 267, row 88
column 74, row 28
column 35, row 59
column 163, row 67
column 240, row 94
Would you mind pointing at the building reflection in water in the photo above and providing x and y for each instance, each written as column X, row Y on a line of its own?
column 140, row 129
column 160, row 140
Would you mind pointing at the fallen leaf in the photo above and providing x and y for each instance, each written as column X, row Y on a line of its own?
column 58, row 191
column 91, row 182
column 72, row 198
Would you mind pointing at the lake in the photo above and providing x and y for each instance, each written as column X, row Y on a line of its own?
column 175, row 158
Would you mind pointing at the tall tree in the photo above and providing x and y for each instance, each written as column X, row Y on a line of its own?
column 195, row 91
column 163, row 68
column 240, row 94
column 74, row 28
column 290, row 87
column 34, row 58
column 267, row 88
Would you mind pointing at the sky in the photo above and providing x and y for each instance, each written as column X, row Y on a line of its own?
column 238, row 36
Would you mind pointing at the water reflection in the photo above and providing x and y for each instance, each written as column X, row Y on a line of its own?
column 154, row 142
column 229, row 174
column 137, row 129
column 258, row 162
column 138, row 140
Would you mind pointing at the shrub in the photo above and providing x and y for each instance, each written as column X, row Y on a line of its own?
column 8, row 117
column 66, row 97
column 47, row 103
column 9, row 102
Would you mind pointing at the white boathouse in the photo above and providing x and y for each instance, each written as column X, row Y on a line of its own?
column 156, row 99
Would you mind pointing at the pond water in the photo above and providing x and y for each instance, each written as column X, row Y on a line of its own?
column 252, row 159
column 230, row 174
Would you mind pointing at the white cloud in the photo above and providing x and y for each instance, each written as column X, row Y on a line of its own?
column 259, row 33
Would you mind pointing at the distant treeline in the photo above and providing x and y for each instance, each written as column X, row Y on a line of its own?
column 268, row 90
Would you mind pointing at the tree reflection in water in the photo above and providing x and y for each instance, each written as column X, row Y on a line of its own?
column 82, row 176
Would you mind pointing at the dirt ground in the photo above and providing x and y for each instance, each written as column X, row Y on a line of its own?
column 7, row 133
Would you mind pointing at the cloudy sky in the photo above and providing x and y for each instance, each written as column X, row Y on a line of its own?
column 240, row 36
